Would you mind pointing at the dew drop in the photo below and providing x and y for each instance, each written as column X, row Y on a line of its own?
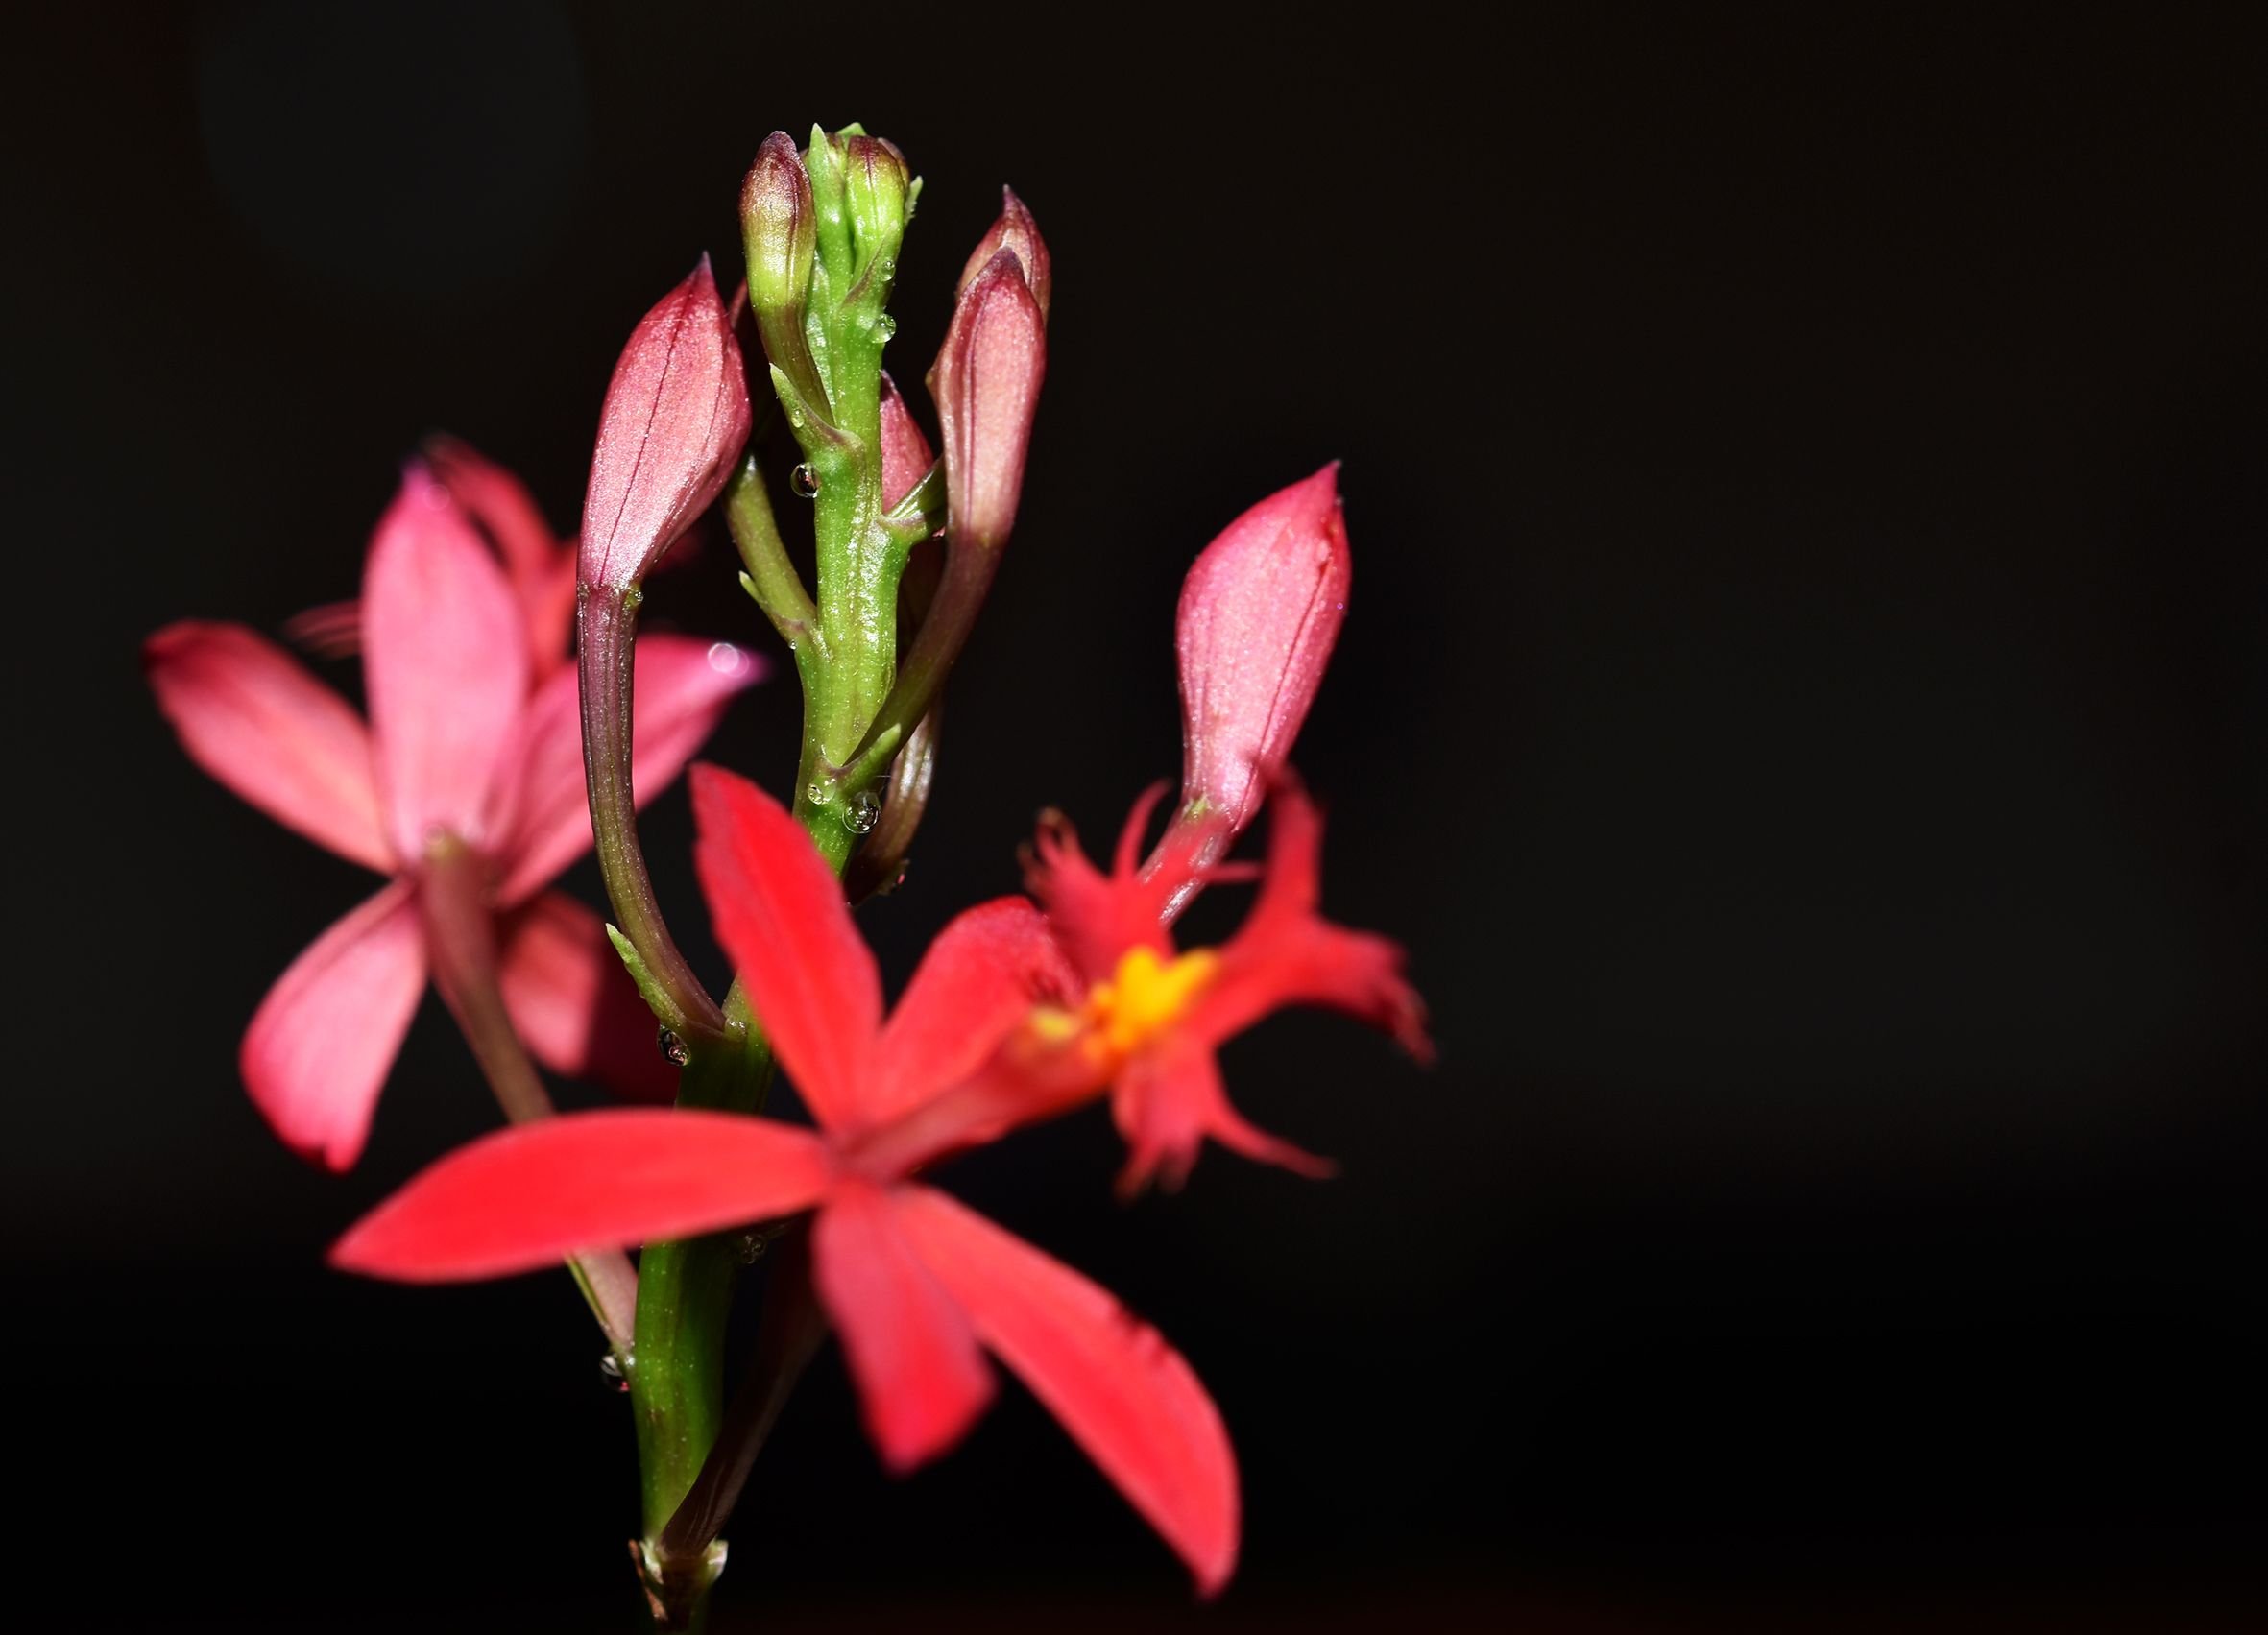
column 819, row 794
column 805, row 481
column 752, row 1248
column 611, row 1368
column 673, row 1048
column 861, row 812
column 885, row 326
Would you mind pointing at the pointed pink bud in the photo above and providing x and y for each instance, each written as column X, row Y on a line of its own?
column 676, row 416
column 1015, row 231
column 1259, row 611
column 986, row 384
column 906, row 455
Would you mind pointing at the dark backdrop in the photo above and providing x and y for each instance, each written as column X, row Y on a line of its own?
column 1803, row 707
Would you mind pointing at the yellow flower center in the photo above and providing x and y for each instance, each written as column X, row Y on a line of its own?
column 1145, row 996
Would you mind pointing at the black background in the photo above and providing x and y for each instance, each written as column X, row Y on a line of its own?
column 1804, row 707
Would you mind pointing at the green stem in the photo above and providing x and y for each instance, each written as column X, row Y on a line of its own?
column 677, row 1384
column 461, row 941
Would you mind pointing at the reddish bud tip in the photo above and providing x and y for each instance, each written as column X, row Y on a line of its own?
column 676, row 416
column 986, row 385
column 1259, row 611
column 1015, row 231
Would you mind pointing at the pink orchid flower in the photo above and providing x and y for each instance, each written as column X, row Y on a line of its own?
column 462, row 744
column 918, row 1286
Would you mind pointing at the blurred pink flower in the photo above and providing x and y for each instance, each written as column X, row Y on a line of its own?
column 462, row 741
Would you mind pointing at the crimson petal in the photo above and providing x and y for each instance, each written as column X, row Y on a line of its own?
column 1126, row 1396
column 922, row 1381
column 780, row 913
column 980, row 978
column 532, row 1194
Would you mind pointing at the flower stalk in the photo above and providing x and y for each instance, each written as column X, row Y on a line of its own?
column 461, row 941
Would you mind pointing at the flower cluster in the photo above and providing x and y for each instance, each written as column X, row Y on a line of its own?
column 468, row 788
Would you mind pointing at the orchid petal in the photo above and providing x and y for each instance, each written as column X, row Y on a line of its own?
column 1286, row 955
column 500, row 503
column 251, row 717
column 319, row 1047
column 780, row 913
column 980, row 978
column 444, row 656
column 1165, row 1104
column 1126, row 1396
column 922, row 1381
column 574, row 1006
column 532, row 1194
column 683, row 686
column 1096, row 917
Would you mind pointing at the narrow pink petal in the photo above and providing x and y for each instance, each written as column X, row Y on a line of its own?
column 250, row 715
column 922, row 1382
column 532, row 1194
column 979, row 980
column 780, row 913
column 329, row 630
column 500, row 503
column 574, row 1006
column 319, row 1047
column 684, row 684
column 445, row 656
column 1126, row 1396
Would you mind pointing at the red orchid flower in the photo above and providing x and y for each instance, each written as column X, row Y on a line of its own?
column 1154, row 1015
column 459, row 745
column 917, row 1286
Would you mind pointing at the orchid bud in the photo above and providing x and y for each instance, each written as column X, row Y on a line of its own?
column 907, row 456
column 1014, row 231
column 874, row 191
column 986, row 384
column 676, row 416
column 1259, row 611
column 823, row 163
column 778, row 226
